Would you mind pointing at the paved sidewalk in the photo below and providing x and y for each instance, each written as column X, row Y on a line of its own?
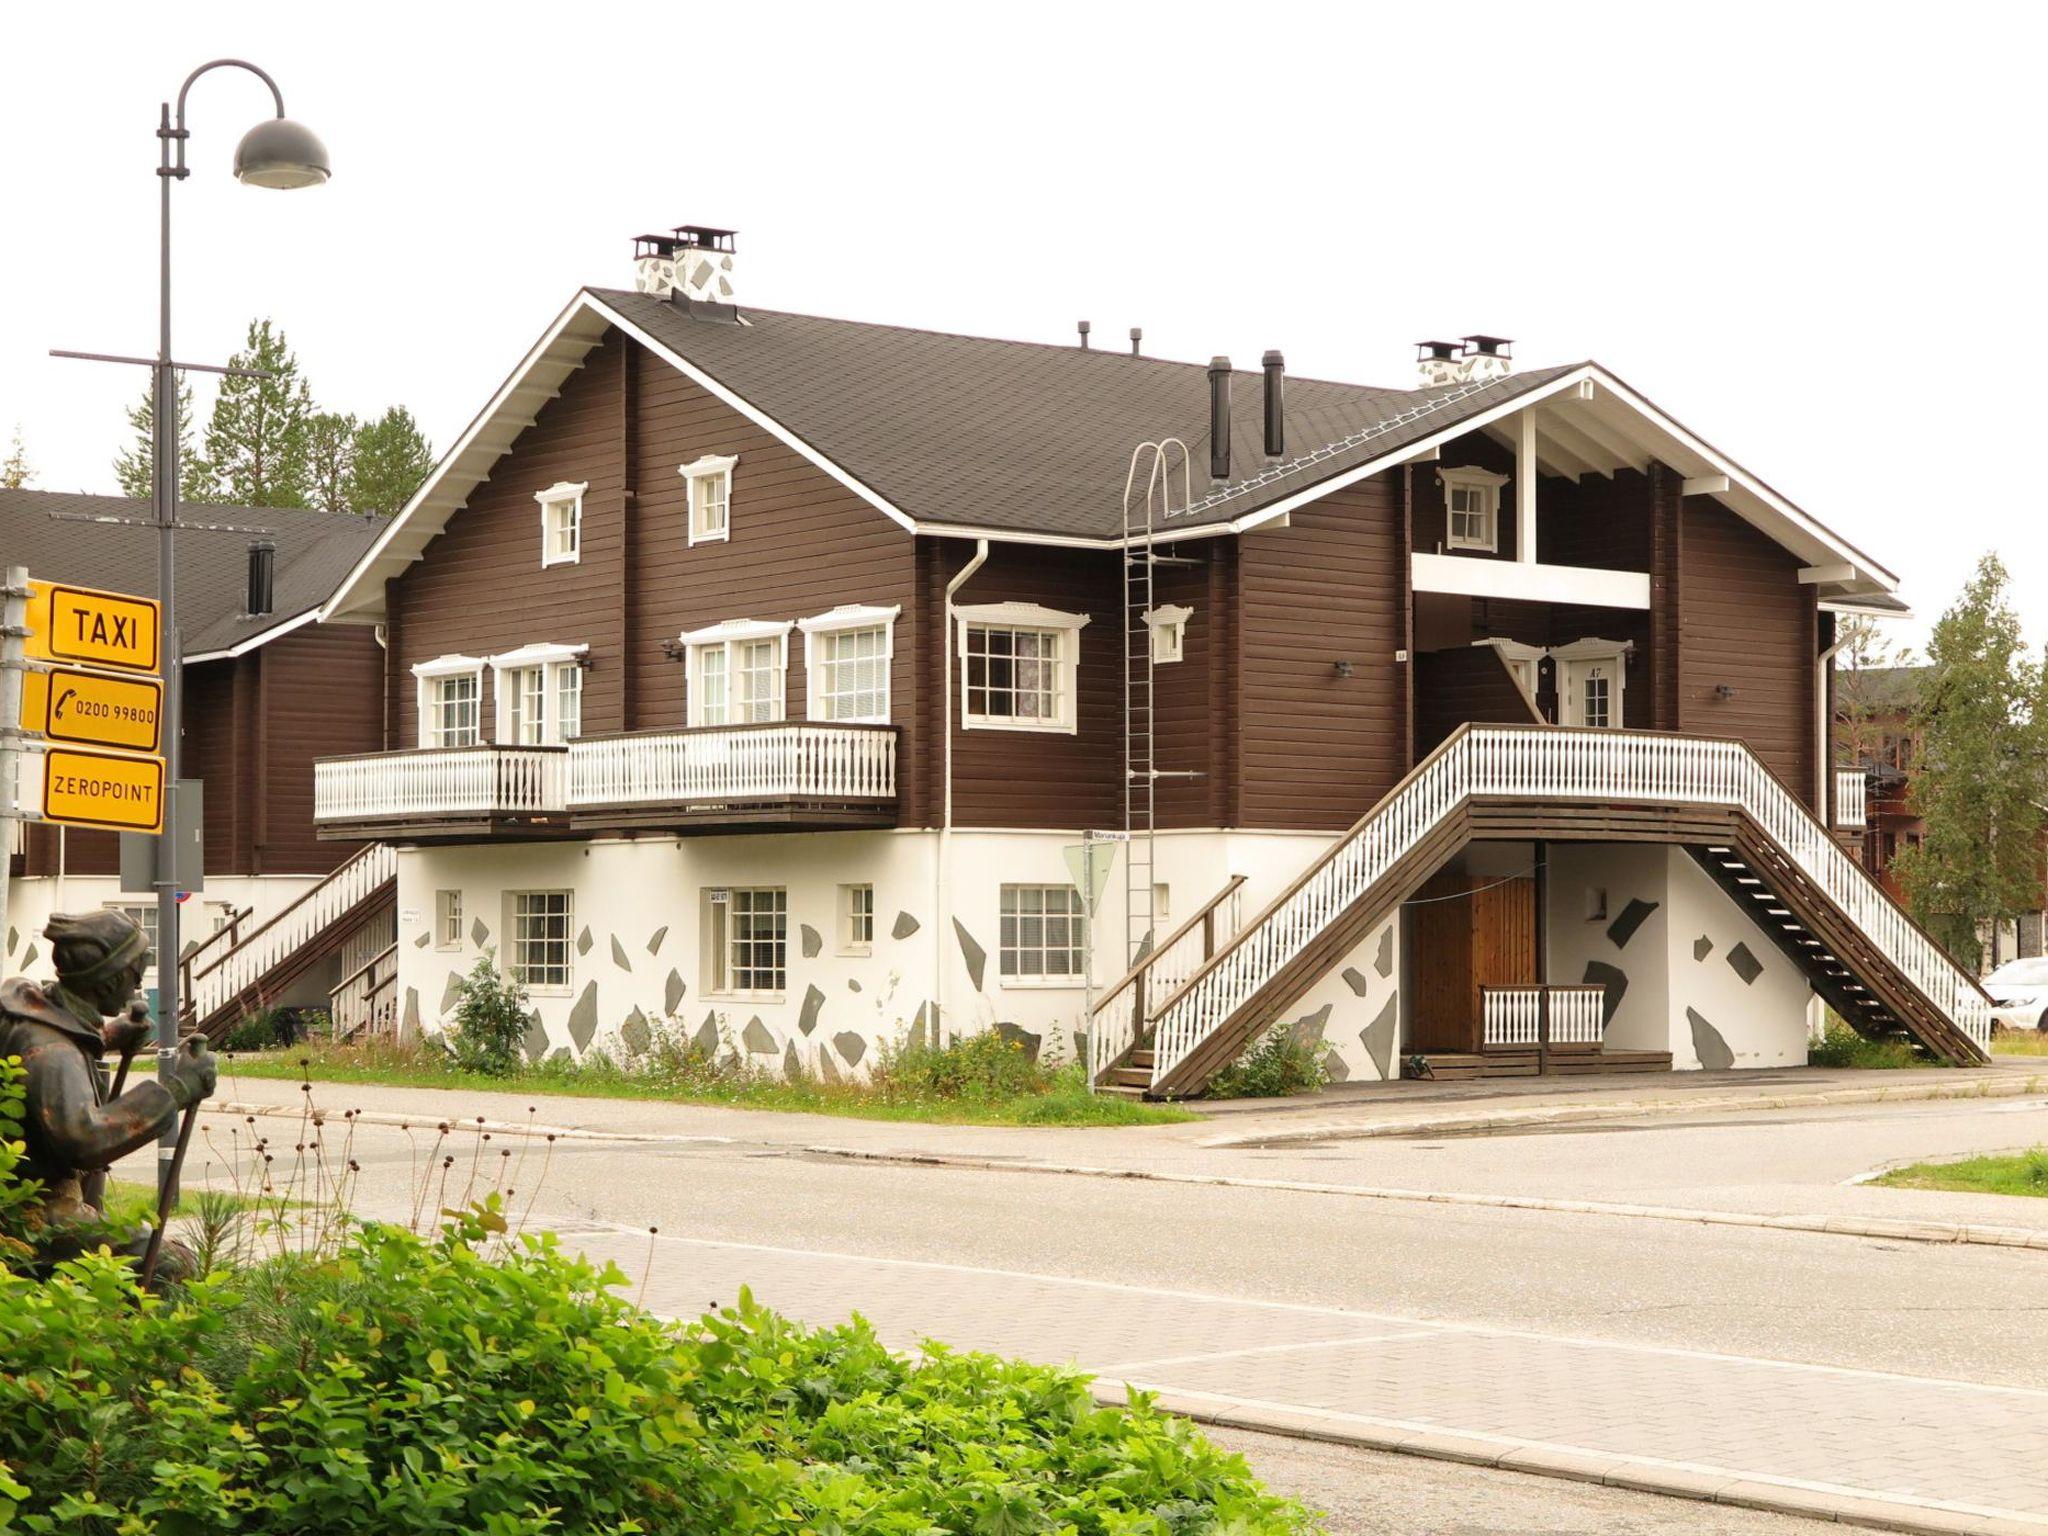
column 1905, row 1452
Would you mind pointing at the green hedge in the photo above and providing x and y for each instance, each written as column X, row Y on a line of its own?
column 492, row 1387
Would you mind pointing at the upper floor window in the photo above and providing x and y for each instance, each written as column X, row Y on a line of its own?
column 1018, row 666
column 450, row 701
column 1472, row 508
column 561, row 523
column 1169, row 626
column 736, row 672
column 540, row 694
column 846, row 663
column 710, row 480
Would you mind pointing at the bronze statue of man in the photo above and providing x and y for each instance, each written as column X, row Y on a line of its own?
column 60, row 1030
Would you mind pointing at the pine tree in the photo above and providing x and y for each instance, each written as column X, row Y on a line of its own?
column 135, row 465
column 1983, row 718
column 331, row 460
column 256, row 440
column 1866, row 650
column 16, row 473
column 392, row 457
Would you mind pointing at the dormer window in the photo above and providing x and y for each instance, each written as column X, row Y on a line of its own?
column 561, row 523
column 710, row 480
column 1169, row 626
column 1472, row 508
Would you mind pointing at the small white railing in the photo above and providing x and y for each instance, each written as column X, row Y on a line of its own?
column 366, row 1001
column 1513, row 1016
column 234, row 973
column 1560, row 764
column 439, row 781
column 1119, row 1014
column 1850, row 794
column 735, row 764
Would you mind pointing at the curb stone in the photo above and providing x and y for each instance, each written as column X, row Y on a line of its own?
column 427, row 1122
column 1830, row 1226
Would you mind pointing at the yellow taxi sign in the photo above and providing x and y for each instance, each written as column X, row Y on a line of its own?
column 101, row 629
column 84, row 788
column 94, row 709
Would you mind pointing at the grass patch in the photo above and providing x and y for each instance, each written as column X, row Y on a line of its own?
column 966, row 1083
column 2030, row 1043
column 130, row 1202
column 2024, row 1173
column 1841, row 1046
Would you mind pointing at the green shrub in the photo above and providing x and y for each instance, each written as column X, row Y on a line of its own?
column 17, row 1195
column 490, row 1021
column 471, row 1383
column 1840, row 1046
column 981, row 1067
column 1280, row 1064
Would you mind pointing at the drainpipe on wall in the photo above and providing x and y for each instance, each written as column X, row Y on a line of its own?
column 942, row 910
column 1823, row 723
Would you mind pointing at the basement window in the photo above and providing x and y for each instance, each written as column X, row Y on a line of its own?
column 561, row 523
column 856, row 919
column 1043, row 934
column 747, row 941
column 710, row 479
column 1472, row 508
column 447, row 919
column 537, row 924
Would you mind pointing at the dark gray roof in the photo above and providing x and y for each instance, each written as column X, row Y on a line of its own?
column 1029, row 436
column 315, row 550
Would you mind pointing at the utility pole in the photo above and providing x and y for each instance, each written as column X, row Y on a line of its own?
column 13, row 634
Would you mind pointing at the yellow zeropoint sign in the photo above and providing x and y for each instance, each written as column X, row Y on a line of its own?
column 101, row 629
column 103, row 789
column 93, row 709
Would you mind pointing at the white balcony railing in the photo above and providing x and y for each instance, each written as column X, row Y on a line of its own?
column 1850, row 794
column 439, row 781
column 1546, row 762
column 1513, row 1016
column 717, row 765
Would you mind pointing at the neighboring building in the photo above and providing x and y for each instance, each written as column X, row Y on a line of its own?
column 763, row 671
column 267, row 691
column 1875, row 738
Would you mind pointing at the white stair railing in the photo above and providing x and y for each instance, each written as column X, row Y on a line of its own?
column 1117, row 1019
column 233, row 973
column 1550, row 762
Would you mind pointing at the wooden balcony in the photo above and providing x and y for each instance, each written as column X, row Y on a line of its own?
column 444, row 794
column 786, row 776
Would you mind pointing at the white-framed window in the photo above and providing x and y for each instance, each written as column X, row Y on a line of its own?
column 1169, row 626
column 539, row 694
column 450, row 701
column 710, row 482
column 1043, row 934
column 538, row 948
column 846, row 663
column 747, row 940
column 143, row 915
column 1592, row 675
column 1018, row 666
column 856, row 919
column 737, row 672
column 561, row 522
column 447, row 919
column 1472, row 508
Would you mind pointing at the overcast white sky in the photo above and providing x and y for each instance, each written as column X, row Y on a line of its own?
column 1813, row 233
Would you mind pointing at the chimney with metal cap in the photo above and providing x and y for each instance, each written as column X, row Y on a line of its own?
column 1137, row 335
column 1437, row 362
column 262, row 597
column 691, row 263
column 1219, row 418
column 1085, row 328
column 1488, row 357
column 1276, row 404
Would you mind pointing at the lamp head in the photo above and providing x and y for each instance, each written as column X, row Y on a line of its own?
column 281, row 153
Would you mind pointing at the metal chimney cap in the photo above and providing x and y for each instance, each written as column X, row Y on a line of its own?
column 1219, row 364
column 1273, row 359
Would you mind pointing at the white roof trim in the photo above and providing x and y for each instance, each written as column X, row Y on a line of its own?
column 850, row 616
column 737, row 629
column 562, row 490
column 1026, row 615
column 707, row 464
column 540, row 653
column 244, row 647
column 448, row 666
column 1168, row 613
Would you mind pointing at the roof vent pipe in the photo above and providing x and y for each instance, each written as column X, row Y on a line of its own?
column 1219, row 418
column 262, row 578
column 1276, row 418
column 1137, row 335
column 1085, row 328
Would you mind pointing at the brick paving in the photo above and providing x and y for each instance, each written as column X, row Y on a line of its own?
column 1910, row 1452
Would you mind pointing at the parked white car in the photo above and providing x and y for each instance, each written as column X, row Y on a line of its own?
column 2019, row 994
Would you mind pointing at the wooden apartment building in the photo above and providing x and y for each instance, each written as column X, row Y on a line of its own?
column 761, row 676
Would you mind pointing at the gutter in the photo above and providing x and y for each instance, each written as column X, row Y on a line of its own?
column 941, row 863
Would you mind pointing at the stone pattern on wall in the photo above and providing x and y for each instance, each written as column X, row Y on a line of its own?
column 1354, row 1013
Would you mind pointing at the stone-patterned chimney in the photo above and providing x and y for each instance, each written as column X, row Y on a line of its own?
column 691, row 262
column 1472, row 359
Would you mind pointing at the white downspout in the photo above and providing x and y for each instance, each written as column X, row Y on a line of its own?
column 941, row 865
column 1816, row 1010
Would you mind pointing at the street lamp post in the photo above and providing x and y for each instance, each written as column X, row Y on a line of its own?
column 277, row 153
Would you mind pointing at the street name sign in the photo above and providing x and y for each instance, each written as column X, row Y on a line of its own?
column 81, row 787
column 94, row 709
column 100, row 629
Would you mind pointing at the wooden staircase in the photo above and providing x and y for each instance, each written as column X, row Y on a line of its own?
column 1561, row 784
column 224, row 980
